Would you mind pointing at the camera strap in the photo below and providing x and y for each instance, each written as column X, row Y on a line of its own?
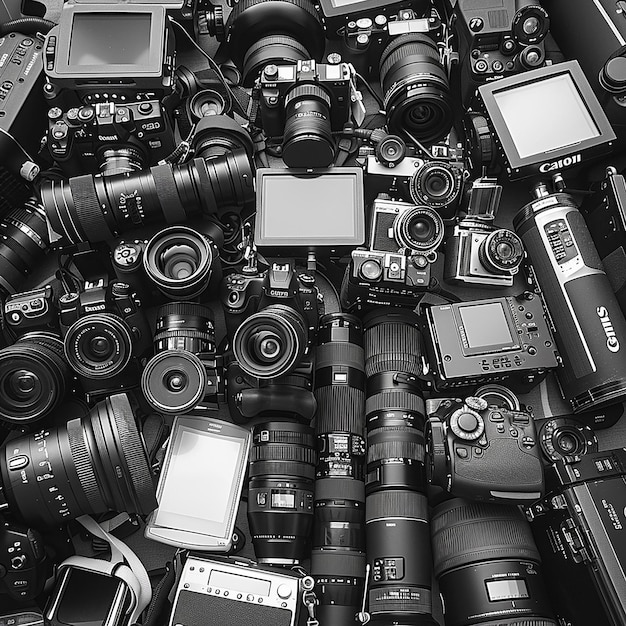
column 124, row 564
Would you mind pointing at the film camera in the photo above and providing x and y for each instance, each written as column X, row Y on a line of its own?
column 498, row 39
column 305, row 103
column 435, row 180
column 104, row 332
column 484, row 452
column 578, row 528
column 117, row 61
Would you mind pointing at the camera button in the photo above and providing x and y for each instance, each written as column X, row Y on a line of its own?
column 461, row 452
column 478, row 452
column 500, row 428
column 250, row 598
column 18, row 462
column 514, row 432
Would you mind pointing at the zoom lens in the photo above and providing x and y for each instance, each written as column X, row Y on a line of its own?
column 90, row 465
column 419, row 228
column 502, row 252
column 488, row 566
column 307, row 139
column 338, row 558
column 434, row 184
column 261, row 32
column 99, row 208
column 33, row 377
column 416, row 89
column 98, row 345
column 179, row 261
column 397, row 532
column 271, row 343
column 179, row 376
column 280, row 492
column 23, row 242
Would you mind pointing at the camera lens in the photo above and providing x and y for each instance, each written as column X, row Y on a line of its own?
column 307, row 139
column 416, row 89
column 419, row 228
column 271, row 343
column 23, row 242
column 566, row 437
column 261, row 32
column 502, row 252
column 98, row 345
column 434, row 184
column 90, row 465
column 33, row 377
column 487, row 565
column 99, row 208
column 338, row 558
column 179, row 261
column 280, row 492
column 530, row 24
column 185, row 326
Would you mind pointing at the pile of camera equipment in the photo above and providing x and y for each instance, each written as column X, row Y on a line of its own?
column 324, row 300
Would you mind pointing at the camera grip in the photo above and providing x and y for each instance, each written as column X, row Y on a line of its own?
column 279, row 398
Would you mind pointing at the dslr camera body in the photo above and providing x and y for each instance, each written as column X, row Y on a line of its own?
column 498, row 38
column 104, row 332
column 484, row 452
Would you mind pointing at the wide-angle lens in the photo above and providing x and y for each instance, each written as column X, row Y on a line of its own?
column 180, row 261
column 416, row 89
column 434, row 184
column 99, row 208
column 271, row 342
column 419, row 228
column 488, row 566
column 280, row 492
column 34, row 377
column 90, row 465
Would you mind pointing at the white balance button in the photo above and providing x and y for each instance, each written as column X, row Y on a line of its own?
column 283, row 591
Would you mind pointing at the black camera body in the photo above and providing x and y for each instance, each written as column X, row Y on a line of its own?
column 106, row 135
column 22, row 563
column 579, row 530
column 280, row 83
column 498, row 39
column 31, row 310
column 105, row 332
column 484, row 452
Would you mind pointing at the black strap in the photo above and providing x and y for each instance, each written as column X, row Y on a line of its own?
column 155, row 614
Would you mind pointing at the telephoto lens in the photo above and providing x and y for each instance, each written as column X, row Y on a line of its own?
column 181, row 262
column 280, row 491
column 488, row 566
column 34, row 377
column 90, row 465
column 338, row 558
column 416, row 89
column 182, row 372
column 100, row 208
column 397, row 530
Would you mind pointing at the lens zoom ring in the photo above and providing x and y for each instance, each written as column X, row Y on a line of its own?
column 338, row 563
column 393, row 347
column 294, row 469
column 396, row 449
column 84, row 466
column 422, row 52
column 340, row 409
column 336, row 352
column 283, row 453
column 87, row 208
column 396, row 503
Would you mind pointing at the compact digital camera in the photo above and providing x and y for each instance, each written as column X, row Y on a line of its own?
column 484, row 452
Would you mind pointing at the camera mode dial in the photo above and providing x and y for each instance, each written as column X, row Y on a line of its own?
column 467, row 424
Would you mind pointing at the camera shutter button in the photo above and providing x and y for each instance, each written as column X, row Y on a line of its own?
column 283, row 591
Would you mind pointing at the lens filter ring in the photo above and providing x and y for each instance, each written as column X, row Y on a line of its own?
column 174, row 381
column 434, row 184
column 98, row 345
column 178, row 260
column 419, row 228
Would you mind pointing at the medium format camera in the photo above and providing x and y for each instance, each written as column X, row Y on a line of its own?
column 484, row 452
column 104, row 332
column 434, row 180
column 271, row 318
column 304, row 104
column 579, row 528
column 504, row 340
column 498, row 39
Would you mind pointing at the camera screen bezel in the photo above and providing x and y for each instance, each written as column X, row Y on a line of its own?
column 332, row 10
column 544, row 162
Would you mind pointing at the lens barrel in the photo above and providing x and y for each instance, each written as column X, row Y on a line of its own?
column 90, row 465
column 487, row 565
column 416, row 89
column 397, row 529
column 338, row 558
column 99, row 208
column 280, row 491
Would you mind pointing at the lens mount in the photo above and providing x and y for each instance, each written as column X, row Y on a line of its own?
column 434, row 184
column 419, row 228
column 98, row 345
column 178, row 260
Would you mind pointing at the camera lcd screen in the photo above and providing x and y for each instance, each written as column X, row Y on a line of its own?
column 200, row 484
column 110, row 39
column 545, row 115
column 485, row 325
column 498, row 590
